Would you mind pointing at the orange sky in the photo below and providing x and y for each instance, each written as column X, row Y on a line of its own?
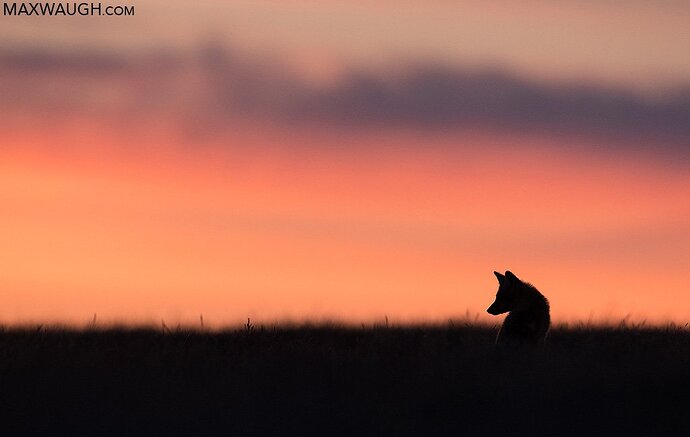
column 265, row 227
column 344, row 159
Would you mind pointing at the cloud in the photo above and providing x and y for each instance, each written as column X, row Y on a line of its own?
column 434, row 96
column 215, row 84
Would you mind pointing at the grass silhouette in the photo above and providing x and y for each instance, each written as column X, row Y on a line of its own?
column 339, row 380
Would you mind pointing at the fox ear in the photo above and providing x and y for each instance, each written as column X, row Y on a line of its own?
column 500, row 277
column 511, row 277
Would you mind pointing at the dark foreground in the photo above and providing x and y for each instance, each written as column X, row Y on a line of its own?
column 343, row 381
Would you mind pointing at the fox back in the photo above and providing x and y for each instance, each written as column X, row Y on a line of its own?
column 528, row 317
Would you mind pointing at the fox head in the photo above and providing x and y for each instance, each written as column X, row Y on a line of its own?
column 507, row 295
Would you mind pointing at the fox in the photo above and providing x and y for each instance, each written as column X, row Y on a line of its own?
column 528, row 319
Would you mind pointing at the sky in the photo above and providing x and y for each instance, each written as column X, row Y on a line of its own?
column 345, row 160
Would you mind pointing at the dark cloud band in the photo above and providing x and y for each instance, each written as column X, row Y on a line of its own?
column 216, row 84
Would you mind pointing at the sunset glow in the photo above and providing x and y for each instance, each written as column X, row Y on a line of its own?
column 245, row 175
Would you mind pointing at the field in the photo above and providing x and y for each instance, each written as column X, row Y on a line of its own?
column 335, row 380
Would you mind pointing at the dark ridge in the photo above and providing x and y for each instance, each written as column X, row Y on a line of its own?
column 330, row 380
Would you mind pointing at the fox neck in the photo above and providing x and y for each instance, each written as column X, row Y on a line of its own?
column 531, row 298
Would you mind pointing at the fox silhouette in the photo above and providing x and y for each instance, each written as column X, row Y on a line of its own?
column 528, row 318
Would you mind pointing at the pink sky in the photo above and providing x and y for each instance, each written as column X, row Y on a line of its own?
column 341, row 160
column 289, row 233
